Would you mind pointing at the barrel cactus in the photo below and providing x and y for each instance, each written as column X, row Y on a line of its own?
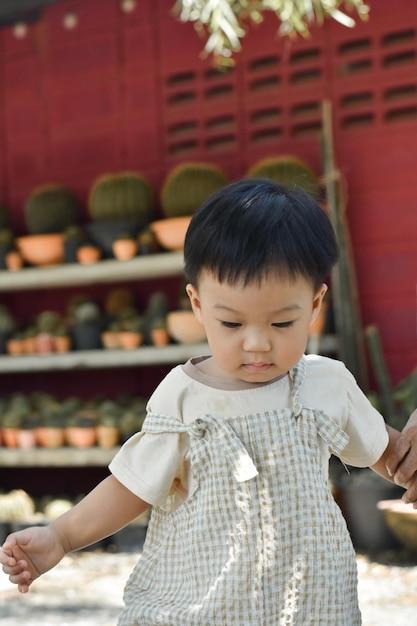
column 51, row 209
column 122, row 196
column 287, row 170
column 188, row 185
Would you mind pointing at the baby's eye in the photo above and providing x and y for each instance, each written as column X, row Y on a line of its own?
column 283, row 324
column 231, row 324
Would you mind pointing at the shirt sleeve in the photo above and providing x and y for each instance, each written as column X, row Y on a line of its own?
column 368, row 436
column 151, row 466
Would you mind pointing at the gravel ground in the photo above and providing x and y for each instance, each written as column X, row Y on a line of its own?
column 86, row 590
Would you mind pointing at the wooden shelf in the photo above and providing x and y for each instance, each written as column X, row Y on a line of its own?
column 56, row 457
column 101, row 359
column 107, row 271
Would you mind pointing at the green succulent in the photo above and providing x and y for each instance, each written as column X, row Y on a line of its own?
column 123, row 196
column 51, row 209
column 188, row 185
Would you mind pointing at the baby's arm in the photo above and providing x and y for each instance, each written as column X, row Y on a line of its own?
column 380, row 467
column 27, row 554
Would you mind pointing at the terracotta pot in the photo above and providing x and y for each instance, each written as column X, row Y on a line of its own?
column 170, row 232
column 110, row 340
column 29, row 344
column 129, row 340
column 14, row 260
column 124, row 249
column 50, row 436
column 62, row 344
column 42, row 249
column 184, row 327
column 80, row 437
column 44, row 343
column 107, row 436
column 160, row 337
column 15, row 347
column 88, row 254
column 26, row 438
column 10, row 437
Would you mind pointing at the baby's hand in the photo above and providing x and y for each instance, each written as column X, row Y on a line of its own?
column 17, row 570
column 27, row 554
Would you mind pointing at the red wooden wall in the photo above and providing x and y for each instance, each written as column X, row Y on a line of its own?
column 132, row 91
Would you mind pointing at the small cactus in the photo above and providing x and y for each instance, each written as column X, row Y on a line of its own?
column 123, row 196
column 287, row 170
column 51, row 209
column 7, row 321
column 188, row 185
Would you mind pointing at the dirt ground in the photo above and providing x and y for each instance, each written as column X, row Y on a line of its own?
column 86, row 590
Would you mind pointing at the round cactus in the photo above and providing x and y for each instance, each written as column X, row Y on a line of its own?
column 287, row 170
column 51, row 209
column 123, row 196
column 188, row 185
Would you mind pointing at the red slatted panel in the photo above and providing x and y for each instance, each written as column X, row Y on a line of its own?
column 132, row 90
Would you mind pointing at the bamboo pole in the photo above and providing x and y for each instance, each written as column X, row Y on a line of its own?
column 344, row 286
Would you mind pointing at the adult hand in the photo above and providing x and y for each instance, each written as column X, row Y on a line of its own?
column 402, row 462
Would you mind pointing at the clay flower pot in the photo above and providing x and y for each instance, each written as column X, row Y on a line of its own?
column 14, row 260
column 87, row 254
column 81, row 436
column 107, row 436
column 62, row 343
column 124, row 249
column 170, row 232
column 26, row 438
column 50, row 436
column 184, row 327
column 44, row 343
column 110, row 340
column 160, row 336
column 130, row 340
column 10, row 437
column 15, row 346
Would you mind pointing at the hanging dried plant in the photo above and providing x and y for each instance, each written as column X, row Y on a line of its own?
column 224, row 22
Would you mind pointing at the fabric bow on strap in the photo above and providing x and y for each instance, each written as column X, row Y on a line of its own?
column 216, row 428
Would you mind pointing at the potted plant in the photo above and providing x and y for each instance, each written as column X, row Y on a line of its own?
column 119, row 202
column 50, row 432
column 62, row 339
column 184, row 189
column 131, row 335
column 159, row 332
column 7, row 327
column 81, row 430
column 88, row 253
column 15, row 344
column 108, row 432
column 26, row 435
column 14, row 259
column 47, row 323
column 85, row 323
column 125, row 247
column 110, row 336
column 74, row 238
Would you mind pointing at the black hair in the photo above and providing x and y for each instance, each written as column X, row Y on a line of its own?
column 254, row 227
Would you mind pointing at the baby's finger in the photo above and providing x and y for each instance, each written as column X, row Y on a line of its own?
column 20, row 574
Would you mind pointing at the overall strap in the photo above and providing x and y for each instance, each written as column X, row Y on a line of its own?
column 329, row 431
column 211, row 428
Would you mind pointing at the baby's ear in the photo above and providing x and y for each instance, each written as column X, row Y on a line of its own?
column 318, row 300
column 194, row 299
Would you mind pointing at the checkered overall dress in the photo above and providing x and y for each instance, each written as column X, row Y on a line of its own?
column 260, row 541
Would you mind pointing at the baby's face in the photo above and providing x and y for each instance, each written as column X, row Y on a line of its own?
column 255, row 332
